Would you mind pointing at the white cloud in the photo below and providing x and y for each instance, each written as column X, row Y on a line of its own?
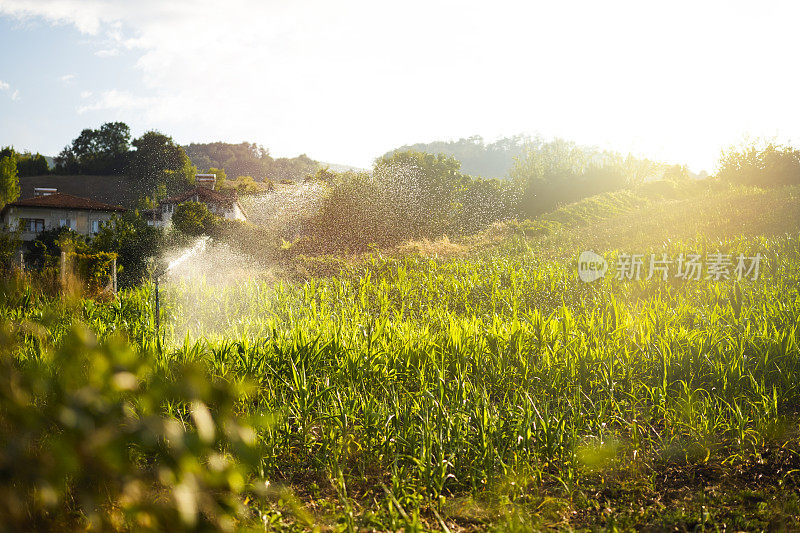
column 115, row 100
column 86, row 94
column 67, row 79
column 111, row 52
column 5, row 86
column 82, row 14
column 346, row 81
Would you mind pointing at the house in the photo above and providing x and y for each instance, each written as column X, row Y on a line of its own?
column 50, row 209
column 123, row 191
column 220, row 204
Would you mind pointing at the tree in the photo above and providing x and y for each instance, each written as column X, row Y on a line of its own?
column 44, row 251
column 193, row 218
column 420, row 189
column 28, row 164
column 323, row 174
column 243, row 159
column 220, row 174
column 245, row 185
column 100, row 151
column 294, row 168
column 677, row 173
column 133, row 241
column 481, row 202
column 769, row 165
column 32, row 165
column 559, row 171
column 157, row 161
column 9, row 180
column 249, row 159
column 492, row 160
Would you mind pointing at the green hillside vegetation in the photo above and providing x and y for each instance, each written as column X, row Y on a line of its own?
column 644, row 218
column 28, row 164
column 477, row 157
column 505, row 157
column 249, row 159
column 487, row 389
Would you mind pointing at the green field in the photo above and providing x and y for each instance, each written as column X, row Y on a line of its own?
column 472, row 385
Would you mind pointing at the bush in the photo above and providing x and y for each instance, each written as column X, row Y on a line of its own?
column 45, row 251
column 409, row 196
column 768, row 166
column 133, row 241
column 193, row 218
column 10, row 244
column 246, row 185
column 85, row 443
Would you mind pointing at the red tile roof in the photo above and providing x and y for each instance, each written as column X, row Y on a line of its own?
column 65, row 201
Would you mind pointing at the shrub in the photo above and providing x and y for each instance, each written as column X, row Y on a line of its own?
column 85, row 443
column 193, row 218
column 768, row 166
column 133, row 241
column 10, row 244
column 246, row 185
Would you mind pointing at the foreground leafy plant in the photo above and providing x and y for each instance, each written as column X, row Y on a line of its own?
column 84, row 440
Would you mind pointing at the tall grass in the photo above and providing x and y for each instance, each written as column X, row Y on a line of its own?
column 401, row 384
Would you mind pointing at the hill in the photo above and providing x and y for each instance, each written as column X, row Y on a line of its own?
column 492, row 160
column 249, row 159
column 650, row 217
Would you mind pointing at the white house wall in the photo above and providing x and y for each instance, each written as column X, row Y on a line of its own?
column 233, row 213
column 52, row 217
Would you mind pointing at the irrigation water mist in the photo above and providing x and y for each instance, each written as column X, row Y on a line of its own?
column 284, row 209
column 197, row 248
column 394, row 196
column 193, row 280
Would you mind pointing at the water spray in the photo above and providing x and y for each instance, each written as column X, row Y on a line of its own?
column 198, row 248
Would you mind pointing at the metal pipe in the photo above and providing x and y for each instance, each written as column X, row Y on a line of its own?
column 158, row 311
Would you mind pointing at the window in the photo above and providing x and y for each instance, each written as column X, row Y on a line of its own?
column 66, row 223
column 96, row 225
column 35, row 225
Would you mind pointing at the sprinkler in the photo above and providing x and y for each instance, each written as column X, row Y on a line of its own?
column 157, row 315
column 159, row 271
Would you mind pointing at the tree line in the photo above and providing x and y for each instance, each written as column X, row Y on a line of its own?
column 477, row 157
column 249, row 159
column 407, row 195
column 417, row 195
column 153, row 161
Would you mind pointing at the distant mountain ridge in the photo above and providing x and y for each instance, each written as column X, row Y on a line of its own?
column 492, row 160
column 336, row 167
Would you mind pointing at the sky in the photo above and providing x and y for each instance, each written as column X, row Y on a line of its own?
column 347, row 81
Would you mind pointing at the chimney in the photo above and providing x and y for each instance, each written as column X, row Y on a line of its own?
column 43, row 191
column 206, row 180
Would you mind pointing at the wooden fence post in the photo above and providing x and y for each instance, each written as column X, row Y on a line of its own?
column 114, row 275
column 63, row 270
